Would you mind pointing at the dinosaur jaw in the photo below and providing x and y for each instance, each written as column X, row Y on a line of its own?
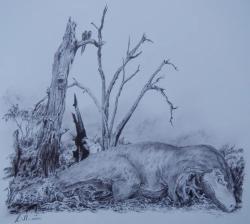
column 219, row 193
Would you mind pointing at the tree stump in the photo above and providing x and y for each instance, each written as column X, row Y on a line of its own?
column 81, row 151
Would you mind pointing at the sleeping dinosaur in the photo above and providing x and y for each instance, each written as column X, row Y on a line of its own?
column 150, row 169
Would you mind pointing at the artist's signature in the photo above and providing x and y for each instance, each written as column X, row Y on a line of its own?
column 26, row 217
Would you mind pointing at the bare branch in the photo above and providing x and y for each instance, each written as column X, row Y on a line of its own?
column 135, row 49
column 103, row 79
column 117, row 100
column 158, row 80
column 99, row 52
column 39, row 103
column 88, row 91
column 149, row 40
column 89, row 41
column 122, row 124
column 150, row 85
column 103, row 17
column 46, row 97
column 124, row 81
column 92, row 96
column 136, row 55
column 131, row 54
column 170, row 63
column 128, row 46
column 95, row 25
column 165, row 62
column 133, row 75
column 99, row 43
column 171, row 106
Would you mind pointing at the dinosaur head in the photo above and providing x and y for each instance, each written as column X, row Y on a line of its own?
column 219, row 189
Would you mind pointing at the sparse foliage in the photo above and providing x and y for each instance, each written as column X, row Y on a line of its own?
column 25, row 121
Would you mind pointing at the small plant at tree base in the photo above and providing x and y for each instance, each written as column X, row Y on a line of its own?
column 23, row 120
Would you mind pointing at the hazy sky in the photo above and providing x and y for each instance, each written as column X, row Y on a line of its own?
column 207, row 40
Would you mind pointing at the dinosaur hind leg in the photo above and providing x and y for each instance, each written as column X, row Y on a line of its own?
column 126, row 183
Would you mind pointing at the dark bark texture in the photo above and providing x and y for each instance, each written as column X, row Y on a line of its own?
column 81, row 151
column 49, row 136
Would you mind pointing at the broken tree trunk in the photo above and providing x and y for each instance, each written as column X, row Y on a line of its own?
column 48, row 138
column 49, row 135
column 81, row 151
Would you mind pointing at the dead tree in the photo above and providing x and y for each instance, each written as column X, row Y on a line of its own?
column 49, row 135
column 81, row 151
column 110, row 134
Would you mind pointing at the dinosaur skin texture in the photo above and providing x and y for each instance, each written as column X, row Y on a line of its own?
column 155, row 169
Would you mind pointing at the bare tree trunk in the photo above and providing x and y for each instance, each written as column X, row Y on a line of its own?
column 49, row 135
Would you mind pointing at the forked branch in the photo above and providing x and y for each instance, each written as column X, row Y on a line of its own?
column 99, row 51
column 123, row 82
column 171, row 106
column 92, row 96
column 150, row 85
column 131, row 54
column 82, row 43
column 88, row 91
column 99, row 29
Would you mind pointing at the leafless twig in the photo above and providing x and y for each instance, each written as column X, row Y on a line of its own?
column 131, row 54
column 123, row 82
column 88, row 91
column 171, row 106
column 92, row 96
column 89, row 41
column 150, row 85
